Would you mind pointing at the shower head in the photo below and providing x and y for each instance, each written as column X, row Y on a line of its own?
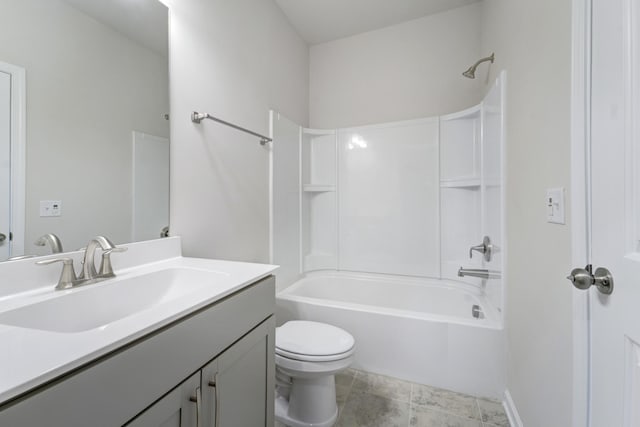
column 471, row 72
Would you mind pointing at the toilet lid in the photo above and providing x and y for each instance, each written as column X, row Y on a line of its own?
column 306, row 338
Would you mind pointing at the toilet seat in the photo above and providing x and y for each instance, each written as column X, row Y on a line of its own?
column 313, row 342
column 312, row 357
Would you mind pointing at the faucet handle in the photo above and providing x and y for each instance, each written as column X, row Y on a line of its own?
column 478, row 248
column 106, row 270
column 485, row 248
column 68, row 275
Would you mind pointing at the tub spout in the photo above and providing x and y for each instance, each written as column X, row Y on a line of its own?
column 479, row 272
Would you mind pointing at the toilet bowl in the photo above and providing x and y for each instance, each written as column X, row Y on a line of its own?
column 308, row 355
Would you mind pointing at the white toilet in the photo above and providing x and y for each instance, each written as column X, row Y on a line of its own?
column 308, row 354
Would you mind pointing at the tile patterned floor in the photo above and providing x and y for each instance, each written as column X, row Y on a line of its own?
column 370, row 400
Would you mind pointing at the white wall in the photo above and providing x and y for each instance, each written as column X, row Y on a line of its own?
column 88, row 88
column 235, row 59
column 405, row 71
column 532, row 41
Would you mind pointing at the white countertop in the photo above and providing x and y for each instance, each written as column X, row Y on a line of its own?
column 32, row 357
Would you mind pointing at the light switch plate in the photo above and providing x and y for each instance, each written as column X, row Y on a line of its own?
column 555, row 205
column 50, row 207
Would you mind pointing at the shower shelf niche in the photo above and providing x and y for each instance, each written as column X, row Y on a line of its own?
column 318, row 188
column 318, row 214
column 461, row 190
column 470, row 182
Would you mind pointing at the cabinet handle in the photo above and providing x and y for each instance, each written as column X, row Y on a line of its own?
column 198, row 401
column 213, row 385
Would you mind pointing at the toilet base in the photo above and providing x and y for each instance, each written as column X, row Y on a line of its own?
column 311, row 403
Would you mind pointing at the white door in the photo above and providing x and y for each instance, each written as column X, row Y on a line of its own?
column 150, row 186
column 615, row 212
column 5, row 164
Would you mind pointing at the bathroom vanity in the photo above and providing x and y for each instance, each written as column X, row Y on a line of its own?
column 190, row 354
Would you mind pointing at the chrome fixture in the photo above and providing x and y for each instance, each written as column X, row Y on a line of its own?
column 471, row 72
column 197, row 399
column 198, row 117
column 164, row 232
column 476, row 311
column 68, row 278
column 52, row 240
column 3, row 237
column 583, row 278
column 88, row 264
column 478, row 272
column 485, row 248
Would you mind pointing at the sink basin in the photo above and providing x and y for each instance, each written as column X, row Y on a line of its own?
column 98, row 305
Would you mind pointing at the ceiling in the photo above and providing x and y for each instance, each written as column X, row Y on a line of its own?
column 145, row 21
column 319, row 21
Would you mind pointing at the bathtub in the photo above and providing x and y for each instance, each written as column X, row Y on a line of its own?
column 420, row 330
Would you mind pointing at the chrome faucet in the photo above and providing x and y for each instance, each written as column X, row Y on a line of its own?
column 52, row 240
column 68, row 278
column 88, row 263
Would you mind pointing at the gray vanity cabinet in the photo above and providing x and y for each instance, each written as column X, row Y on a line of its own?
column 243, row 382
column 235, row 389
column 173, row 410
column 225, row 349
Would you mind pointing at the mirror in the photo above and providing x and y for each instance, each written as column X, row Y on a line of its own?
column 96, row 111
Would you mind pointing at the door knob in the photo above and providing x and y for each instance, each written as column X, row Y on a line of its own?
column 583, row 278
column 3, row 237
column 604, row 280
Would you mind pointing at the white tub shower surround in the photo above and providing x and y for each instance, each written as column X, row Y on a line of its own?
column 421, row 330
column 370, row 226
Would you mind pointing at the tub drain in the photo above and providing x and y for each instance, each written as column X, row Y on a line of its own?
column 476, row 311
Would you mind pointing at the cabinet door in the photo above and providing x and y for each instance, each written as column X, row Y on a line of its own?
column 238, row 386
column 176, row 409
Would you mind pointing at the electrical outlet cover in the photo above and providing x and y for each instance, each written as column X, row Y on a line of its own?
column 50, row 207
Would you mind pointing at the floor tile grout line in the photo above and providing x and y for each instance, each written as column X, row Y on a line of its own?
column 447, row 411
column 385, row 397
column 479, row 412
column 410, row 404
column 348, row 395
column 451, row 414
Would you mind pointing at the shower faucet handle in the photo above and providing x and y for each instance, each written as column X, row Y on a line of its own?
column 484, row 248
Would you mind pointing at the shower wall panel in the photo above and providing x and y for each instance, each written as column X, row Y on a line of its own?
column 285, row 199
column 388, row 198
column 492, row 159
